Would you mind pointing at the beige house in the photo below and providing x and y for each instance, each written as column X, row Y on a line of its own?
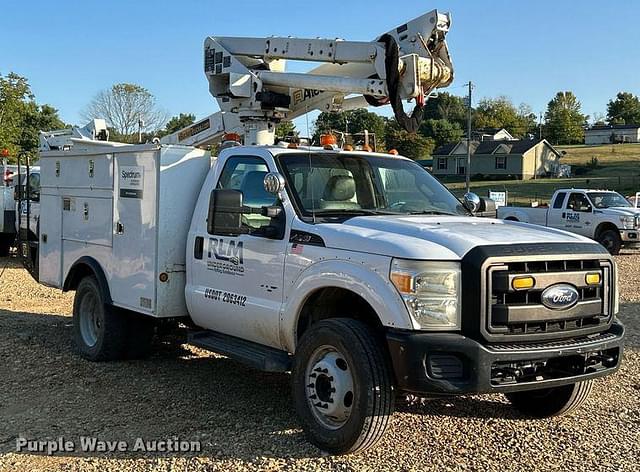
column 523, row 159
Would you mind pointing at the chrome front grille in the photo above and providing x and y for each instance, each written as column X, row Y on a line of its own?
column 517, row 314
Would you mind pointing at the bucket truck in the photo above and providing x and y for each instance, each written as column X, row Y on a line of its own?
column 357, row 272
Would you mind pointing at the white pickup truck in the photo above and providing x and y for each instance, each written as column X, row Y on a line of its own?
column 359, row 272
column 602, row 215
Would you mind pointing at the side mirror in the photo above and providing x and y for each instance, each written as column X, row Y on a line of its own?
column 225, row 213
column 274, row 183
column 471, row 202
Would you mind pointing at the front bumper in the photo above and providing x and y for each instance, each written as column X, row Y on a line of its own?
column 630, row 236
column 449, row 363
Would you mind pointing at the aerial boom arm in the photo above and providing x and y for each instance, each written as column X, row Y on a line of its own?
column 248, row 79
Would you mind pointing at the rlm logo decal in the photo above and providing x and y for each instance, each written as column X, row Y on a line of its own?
column 228, row 251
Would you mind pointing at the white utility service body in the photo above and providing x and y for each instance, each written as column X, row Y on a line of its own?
column 128, row 207
column 602, row 215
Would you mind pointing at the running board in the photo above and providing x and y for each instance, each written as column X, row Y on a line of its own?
column 255, row 355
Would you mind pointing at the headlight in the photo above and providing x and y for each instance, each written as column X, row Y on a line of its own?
column 430, row 290
column 629, row 222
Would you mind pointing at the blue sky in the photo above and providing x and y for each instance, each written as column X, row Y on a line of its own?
column 526, row 50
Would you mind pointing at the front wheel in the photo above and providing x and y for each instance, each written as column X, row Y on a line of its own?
column 342, row 386
column 554, row 401
column 611, row 241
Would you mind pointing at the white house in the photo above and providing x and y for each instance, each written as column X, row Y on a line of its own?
column 607, row 134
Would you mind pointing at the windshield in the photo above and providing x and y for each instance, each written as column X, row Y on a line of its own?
column 608, row 199
column 348, row 184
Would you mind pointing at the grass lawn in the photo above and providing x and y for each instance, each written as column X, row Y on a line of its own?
column 618, row 169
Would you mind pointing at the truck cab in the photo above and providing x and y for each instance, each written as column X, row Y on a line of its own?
column 602, row 215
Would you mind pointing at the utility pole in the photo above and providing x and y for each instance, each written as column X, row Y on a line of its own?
column 140, row 126
column 468, row 169
column 540, row 127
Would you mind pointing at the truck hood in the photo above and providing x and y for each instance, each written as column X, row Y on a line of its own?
column 620, row 211
column 433, row 237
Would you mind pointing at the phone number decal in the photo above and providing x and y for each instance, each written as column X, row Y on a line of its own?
column 225, row 297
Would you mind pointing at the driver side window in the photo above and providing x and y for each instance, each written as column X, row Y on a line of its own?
column 579, row 202
column 247, row 174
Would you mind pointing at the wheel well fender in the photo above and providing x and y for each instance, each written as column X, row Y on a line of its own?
column 80, row 269
column 340, row 288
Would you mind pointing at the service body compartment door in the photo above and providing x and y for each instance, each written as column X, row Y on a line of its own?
column 134, row 230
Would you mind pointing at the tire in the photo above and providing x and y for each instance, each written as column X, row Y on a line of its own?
column 6, row 242
column 548, row 402
column 329, row 354
column 611, row 241
column 99, row 330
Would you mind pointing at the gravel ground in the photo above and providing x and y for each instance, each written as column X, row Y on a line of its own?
column 244, row 419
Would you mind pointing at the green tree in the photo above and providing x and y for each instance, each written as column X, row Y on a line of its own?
column 284, row 129
column 564, row 121
column 625, row 109
column 447, row 107
column 21, row 118
column 177, row 123
column 353, row 121
column 124, row 106
column 36, row 118
column 500, row 112
column 441, row 131
column 412, row 145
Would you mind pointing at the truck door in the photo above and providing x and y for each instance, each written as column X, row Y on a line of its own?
column 237, row 280
column 579, row 214
column 556, row 215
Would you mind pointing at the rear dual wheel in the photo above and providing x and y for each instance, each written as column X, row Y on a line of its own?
column 102, row 332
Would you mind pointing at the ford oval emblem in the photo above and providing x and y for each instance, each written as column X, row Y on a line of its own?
column 560, row 296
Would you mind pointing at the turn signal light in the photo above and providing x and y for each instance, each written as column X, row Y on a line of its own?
column 403, row 282
column 523, row 283
column 593, row 279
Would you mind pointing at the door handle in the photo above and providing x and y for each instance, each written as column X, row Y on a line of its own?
column 198, row 247
column 564, row 215
column 119, row 228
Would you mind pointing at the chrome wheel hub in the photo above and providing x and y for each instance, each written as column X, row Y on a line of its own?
column 330, row 392
column 90, row 319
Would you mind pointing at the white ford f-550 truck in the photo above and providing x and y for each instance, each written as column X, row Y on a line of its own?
column 602, row 215
column 357, row 272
